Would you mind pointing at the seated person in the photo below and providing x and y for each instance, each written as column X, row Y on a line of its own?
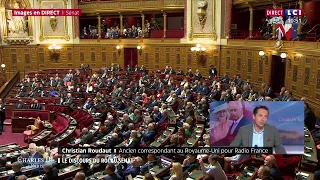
column 190, row 163
column 264, row 173
column 80, row 176
column 19, row 105
column 36, row 105
column 173, row 141
column 113, row 141
column 275, row 173
column 51, row 172
column 214, row 169
column 97, row 167
column 112, row 175
column 149, row 134
column 32, row 129
column 148, row 176
column 152, row 161
column 22, row 177
column 177, row 172
column 133, row 141
column 132, row 169
column 86, row 136
column 16, row 167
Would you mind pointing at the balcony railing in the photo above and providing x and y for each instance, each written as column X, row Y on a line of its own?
column 130, row 5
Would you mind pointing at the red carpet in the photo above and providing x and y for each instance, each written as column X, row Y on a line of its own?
column 9, row 137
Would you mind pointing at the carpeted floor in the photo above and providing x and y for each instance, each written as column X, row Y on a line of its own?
column 9, row 137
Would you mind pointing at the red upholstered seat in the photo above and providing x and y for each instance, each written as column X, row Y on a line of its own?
column 58, row 127
column 61, row 123
column 86, row 123
column 287, row 178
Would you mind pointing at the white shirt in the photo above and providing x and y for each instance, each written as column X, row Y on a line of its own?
column 89, row 89
column 235, row 124
column 130, row 141
column 216, row 171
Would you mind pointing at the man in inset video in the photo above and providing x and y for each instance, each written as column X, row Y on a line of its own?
column 260, row 134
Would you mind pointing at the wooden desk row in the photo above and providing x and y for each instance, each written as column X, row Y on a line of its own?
column 309, row 160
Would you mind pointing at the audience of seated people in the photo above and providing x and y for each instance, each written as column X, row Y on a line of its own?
column 192, row 90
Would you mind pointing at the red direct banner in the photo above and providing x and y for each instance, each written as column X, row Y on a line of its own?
column 46, row 12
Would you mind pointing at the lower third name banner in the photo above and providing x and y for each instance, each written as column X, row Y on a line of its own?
column 180, row 150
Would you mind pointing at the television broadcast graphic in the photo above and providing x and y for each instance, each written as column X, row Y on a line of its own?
column 159, row 89
column 279, row 125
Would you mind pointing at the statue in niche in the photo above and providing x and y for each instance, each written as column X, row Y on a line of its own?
column 147, row 32
column 16, row 24
column 53, row 21
column 202, row 12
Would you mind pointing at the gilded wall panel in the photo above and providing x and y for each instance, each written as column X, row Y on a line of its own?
column 250, row 65
column 189, row 61
column 27, row 58
column 228, row 62
column 104, row 56
column 260, row 66
column 306, row 76
column 238, row 64
column 93, row 56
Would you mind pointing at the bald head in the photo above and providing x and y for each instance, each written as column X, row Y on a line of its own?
column 85, row 131
column 80, row 176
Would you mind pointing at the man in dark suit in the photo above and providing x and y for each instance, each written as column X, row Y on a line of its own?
column 133, row 141
column 113, row 141
column 235, row 109
column 69, row 99
column 275, row 173
column 51, row 172
column 36, row 105
column 204, row 107
column 289, row 96
column 132, row 169
column 204, row 89
column 52, row 82
column 88, row 104
column 190, row 163
column 264, row 173
column 152, row 161
column 112, row 175
column 34, row 155
column 282, row 95
column 86, row 136
column 149, row 135
column 212, row 72
column 252, row 135
column 137, row 116
column 120, row 104
column 80, row 176
column 16, row 167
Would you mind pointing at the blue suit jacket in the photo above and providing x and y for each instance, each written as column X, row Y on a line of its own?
column 148, row 136
column 128, row 170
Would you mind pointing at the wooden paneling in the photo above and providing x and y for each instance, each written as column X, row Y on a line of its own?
column 302, row 72
column 238, row 57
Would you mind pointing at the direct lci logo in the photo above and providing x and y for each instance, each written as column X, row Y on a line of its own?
column 284, row 12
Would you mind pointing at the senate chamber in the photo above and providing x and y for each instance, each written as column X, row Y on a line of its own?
column 160, row 89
